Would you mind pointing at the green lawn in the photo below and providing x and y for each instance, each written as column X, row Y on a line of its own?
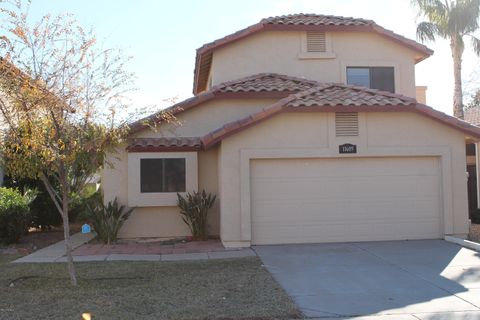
column 214, row 289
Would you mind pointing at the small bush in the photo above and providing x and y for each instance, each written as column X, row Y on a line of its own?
column 43, row 212
column 106, row 219
column 14, row 214
column 194, row 210
column 475, row 216
column 80, row 202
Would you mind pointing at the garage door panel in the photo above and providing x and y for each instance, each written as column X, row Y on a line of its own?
column 356, row 211
column 401, row 186
column 344, row 233
column 426, row 166
column 297, row 200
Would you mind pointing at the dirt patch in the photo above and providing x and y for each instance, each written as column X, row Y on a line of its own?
column 37, row 239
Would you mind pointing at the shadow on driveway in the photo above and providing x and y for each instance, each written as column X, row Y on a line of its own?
column 393, row 277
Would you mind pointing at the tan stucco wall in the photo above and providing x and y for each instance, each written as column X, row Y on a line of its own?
column 159, row 221
column 198, row 121
column 312, row 135
column 208, row 116
column 275, row 51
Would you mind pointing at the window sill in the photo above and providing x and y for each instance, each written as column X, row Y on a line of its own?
column 316, row 55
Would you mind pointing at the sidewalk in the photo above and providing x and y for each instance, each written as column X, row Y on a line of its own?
column 201, row 250
column 57, row 250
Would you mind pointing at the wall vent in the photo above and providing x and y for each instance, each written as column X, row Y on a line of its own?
column 346, row 124
column 316, row 41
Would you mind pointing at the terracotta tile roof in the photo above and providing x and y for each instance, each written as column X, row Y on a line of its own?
column 298, row 22
column 336, row 95
column 317, row 20
column 326, row 98
column 472, row 115
column 265, row 84
column 164, row 144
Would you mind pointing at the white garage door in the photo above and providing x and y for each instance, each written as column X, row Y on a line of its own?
column 347, row 199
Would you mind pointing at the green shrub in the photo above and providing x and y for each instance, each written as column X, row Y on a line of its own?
column 194, row 210
column 44, row 214
column 79, row 210
column 14, row 214
column 475, row 216
column 106, row 219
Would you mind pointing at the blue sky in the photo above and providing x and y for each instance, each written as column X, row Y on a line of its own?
column 162, row 37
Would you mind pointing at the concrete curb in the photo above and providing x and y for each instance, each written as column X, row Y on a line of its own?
column 464, row 243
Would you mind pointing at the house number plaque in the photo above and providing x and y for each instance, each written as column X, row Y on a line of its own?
column 347, row 148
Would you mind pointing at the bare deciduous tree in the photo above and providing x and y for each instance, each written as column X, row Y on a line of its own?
column 62, row 97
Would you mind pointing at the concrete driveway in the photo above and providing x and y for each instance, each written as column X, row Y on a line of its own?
column 427, row 279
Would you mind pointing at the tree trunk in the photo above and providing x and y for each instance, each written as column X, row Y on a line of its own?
column 68, row 244
column 66, row 225
column 63, row 210
column 456, row 46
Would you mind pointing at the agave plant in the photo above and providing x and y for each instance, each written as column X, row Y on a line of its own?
column 108, row 219
column 194, row 210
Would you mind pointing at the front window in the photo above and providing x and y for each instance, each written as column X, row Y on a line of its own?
column 381, row 78
column 162, row 175
column 155, row 178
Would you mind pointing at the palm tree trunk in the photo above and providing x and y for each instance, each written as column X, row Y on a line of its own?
column 457, row 52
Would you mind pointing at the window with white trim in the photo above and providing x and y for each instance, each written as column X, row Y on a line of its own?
column 162, row 175
column 155, row 178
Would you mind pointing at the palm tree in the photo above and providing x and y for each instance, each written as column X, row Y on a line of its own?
column 451, row 20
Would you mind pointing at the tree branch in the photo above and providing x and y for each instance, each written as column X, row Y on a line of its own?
column 52, row 193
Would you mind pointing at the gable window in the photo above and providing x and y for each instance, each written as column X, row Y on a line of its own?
column 316, row 41
column 162, row 175
column 316, row 45
column 346, row 124
column 381, row 78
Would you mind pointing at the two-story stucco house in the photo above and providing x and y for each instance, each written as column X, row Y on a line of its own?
column 307, row 128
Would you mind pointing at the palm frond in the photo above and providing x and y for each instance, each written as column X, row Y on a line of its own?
column 434, row 10
column 475, row 44
column 463, row 17
column 427, row 31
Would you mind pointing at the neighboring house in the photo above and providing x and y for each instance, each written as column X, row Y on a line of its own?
column 288, row 128
column 472, row 115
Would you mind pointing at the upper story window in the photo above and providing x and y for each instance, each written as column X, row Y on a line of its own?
column 381, row 78
column 162, row 175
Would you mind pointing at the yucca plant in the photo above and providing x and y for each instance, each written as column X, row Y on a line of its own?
column 194, row 210
column 107, row 219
